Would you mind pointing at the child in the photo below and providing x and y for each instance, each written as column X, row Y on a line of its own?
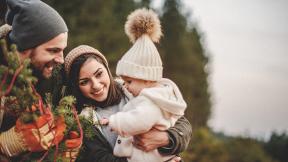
column 156, row 102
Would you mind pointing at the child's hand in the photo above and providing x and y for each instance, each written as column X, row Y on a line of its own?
column 176, row 159
column 104, row 121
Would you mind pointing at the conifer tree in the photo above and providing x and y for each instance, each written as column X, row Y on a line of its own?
column 97, row 23
column 145, row 3
column 185, row 62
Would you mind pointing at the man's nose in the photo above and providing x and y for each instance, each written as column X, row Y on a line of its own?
column 60, row 58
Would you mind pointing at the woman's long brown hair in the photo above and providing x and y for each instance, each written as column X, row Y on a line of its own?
column 115, row 93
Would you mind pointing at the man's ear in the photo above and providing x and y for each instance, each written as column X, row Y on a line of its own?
column 25, row 54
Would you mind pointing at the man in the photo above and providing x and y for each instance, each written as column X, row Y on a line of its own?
column 40, row 34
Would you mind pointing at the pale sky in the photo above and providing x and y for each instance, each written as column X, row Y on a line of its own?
column 248, row 44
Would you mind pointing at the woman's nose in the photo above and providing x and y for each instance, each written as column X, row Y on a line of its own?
column 95, row 83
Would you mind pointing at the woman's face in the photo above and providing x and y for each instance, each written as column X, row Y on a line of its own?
column 94, row 81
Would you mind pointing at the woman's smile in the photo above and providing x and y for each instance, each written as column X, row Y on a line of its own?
column 99, row 92
column 94, row 80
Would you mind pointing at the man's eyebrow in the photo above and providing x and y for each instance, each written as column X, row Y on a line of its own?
column 53, row 49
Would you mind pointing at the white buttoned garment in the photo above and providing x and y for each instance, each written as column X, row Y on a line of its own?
column 157, row 107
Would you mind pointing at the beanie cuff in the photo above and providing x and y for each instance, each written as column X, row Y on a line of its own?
column 78, row 51
column 151, row 73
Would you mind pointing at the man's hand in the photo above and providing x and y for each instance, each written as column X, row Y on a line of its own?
column 36, row 136
column 42, row 133
column 73, row 145
column 151, row 140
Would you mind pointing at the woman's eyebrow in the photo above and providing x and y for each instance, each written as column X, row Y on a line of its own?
column 93, row 74
column 82, row 79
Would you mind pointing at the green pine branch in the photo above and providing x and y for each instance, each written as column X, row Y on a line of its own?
column 21, row 97
column 21, row 100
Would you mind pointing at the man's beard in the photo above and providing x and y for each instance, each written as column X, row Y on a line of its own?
column 37, row 73
column 44, row 73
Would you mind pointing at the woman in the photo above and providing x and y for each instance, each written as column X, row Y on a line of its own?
column 99, row 96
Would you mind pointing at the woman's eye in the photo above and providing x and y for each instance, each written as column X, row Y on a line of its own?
column 99, row 74
column 83, row 83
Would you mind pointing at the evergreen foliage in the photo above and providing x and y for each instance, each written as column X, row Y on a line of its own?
column 209, row 147
column 16, row 85
column 185, row 62
column 205, row 148
column 98, row 23
column 242, row 149
column 277, row 146
column 21, row 99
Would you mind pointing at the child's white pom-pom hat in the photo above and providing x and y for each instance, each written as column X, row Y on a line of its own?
column 142, row 60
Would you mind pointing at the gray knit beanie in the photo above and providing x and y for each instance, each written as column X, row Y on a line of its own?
column 33, row 23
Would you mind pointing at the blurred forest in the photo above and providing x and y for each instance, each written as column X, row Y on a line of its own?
column 100, row 23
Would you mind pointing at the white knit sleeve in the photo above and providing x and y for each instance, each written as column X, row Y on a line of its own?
column 140, row 116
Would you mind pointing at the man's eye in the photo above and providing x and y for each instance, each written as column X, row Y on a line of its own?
column 54, row 50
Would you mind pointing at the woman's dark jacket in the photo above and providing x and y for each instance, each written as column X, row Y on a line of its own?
column 99, row 149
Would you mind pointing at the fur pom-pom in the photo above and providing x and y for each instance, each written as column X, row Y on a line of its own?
column 143, row 21
column 4, row 30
